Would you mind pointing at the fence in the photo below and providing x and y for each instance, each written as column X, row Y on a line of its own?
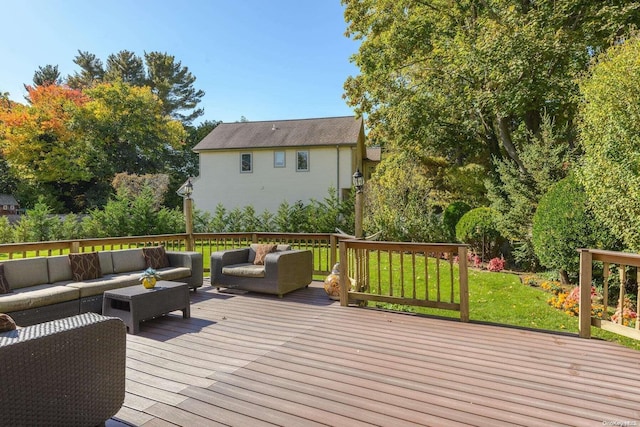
column 418, row 274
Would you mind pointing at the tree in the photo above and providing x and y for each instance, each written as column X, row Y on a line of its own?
column 402, row 202
column 135, row 185
column 128, row 130
column 514, row 195
column 610, row 136
column 127, row 67
column 168, row 79
column 173, row 84
column 40, row 142
column 47, row 75
column 91, row 71
column 458, row 79
column 184, row 162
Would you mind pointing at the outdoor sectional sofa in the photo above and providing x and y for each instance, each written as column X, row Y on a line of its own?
column 43, row 288
column 67, row 372
column 282, row 270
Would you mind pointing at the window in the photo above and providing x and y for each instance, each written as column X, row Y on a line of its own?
column 302, row 161
column 246, row 163
column 279, row 160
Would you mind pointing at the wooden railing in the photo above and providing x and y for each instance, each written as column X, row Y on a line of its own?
column 323, row 245
column 59, row 247
column 608, row 258
column 418, row 274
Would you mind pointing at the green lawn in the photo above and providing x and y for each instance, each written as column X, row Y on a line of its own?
column 502, row 298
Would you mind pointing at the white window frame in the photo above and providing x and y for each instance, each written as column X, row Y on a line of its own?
column 298, row 168
column 250, row 170
column 276, row 163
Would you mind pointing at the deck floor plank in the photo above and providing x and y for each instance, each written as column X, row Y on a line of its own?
column 251, row 359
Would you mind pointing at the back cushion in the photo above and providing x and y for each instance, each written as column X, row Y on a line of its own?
column 254, row 246
column 21, row 273
column 59, row 268
column 128, row 260
column 106, row 264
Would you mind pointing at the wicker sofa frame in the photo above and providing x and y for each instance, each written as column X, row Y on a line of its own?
column 67, row 372
column 35, row 277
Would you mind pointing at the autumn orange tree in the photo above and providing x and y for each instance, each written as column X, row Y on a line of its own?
column 39, row 140
column 69, row 144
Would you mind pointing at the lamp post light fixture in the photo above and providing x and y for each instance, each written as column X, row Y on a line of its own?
column 358, row 183
column 185, row 191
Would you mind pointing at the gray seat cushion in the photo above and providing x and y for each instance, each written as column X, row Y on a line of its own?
column 37, row 296
column 244, row 270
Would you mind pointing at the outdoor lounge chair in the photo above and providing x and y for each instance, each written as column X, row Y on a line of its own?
column 282, row 270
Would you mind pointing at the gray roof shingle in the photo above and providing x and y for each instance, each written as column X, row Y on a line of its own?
column 283, row 133
column 8, row 199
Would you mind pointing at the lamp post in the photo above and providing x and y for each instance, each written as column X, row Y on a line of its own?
column 185, row 191
column 358, row 183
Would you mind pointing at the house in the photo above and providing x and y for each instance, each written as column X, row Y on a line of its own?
column 265, row 163
column 8, row 205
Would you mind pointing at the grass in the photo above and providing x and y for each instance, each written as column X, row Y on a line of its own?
column 501, row 298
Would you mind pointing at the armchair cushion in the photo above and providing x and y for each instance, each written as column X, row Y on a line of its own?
column 244, row 270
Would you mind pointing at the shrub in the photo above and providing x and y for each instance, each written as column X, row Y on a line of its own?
column 452, row 215
column 562, row 224
column 496, row 264
column 478, row 229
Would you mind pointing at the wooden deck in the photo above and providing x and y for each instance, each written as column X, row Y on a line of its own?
column 252, row 360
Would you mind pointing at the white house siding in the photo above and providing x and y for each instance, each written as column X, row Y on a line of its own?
column 220, row 180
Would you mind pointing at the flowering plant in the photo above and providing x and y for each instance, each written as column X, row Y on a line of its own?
column 496, row 264
column 148, row 274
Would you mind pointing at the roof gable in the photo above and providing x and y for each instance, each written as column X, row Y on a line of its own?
column 8, row 199
column 283, row 133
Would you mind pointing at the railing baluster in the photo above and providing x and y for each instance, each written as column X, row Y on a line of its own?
column 605, row 289
column 623, row 280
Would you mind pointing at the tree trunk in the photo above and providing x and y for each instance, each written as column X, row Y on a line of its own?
column 564, row 277
column 507, row 143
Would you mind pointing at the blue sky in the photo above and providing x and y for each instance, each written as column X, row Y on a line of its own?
column 264, row 60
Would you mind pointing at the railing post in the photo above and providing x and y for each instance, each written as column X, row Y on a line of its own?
column 188, row 220
column 75, row 247
column 333, row 251
column 586, row 264
column 463, row 276
column 345, row 283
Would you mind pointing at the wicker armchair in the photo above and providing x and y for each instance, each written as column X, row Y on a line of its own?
column 67, row 372
column 284, row 270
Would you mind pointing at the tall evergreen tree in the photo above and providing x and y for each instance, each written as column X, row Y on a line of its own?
column 168, row 79
column 91, row 71
column 125, row 66
column 47, row 75
column 173, row 84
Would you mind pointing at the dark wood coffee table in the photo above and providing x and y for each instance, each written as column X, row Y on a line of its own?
column 135, row 304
